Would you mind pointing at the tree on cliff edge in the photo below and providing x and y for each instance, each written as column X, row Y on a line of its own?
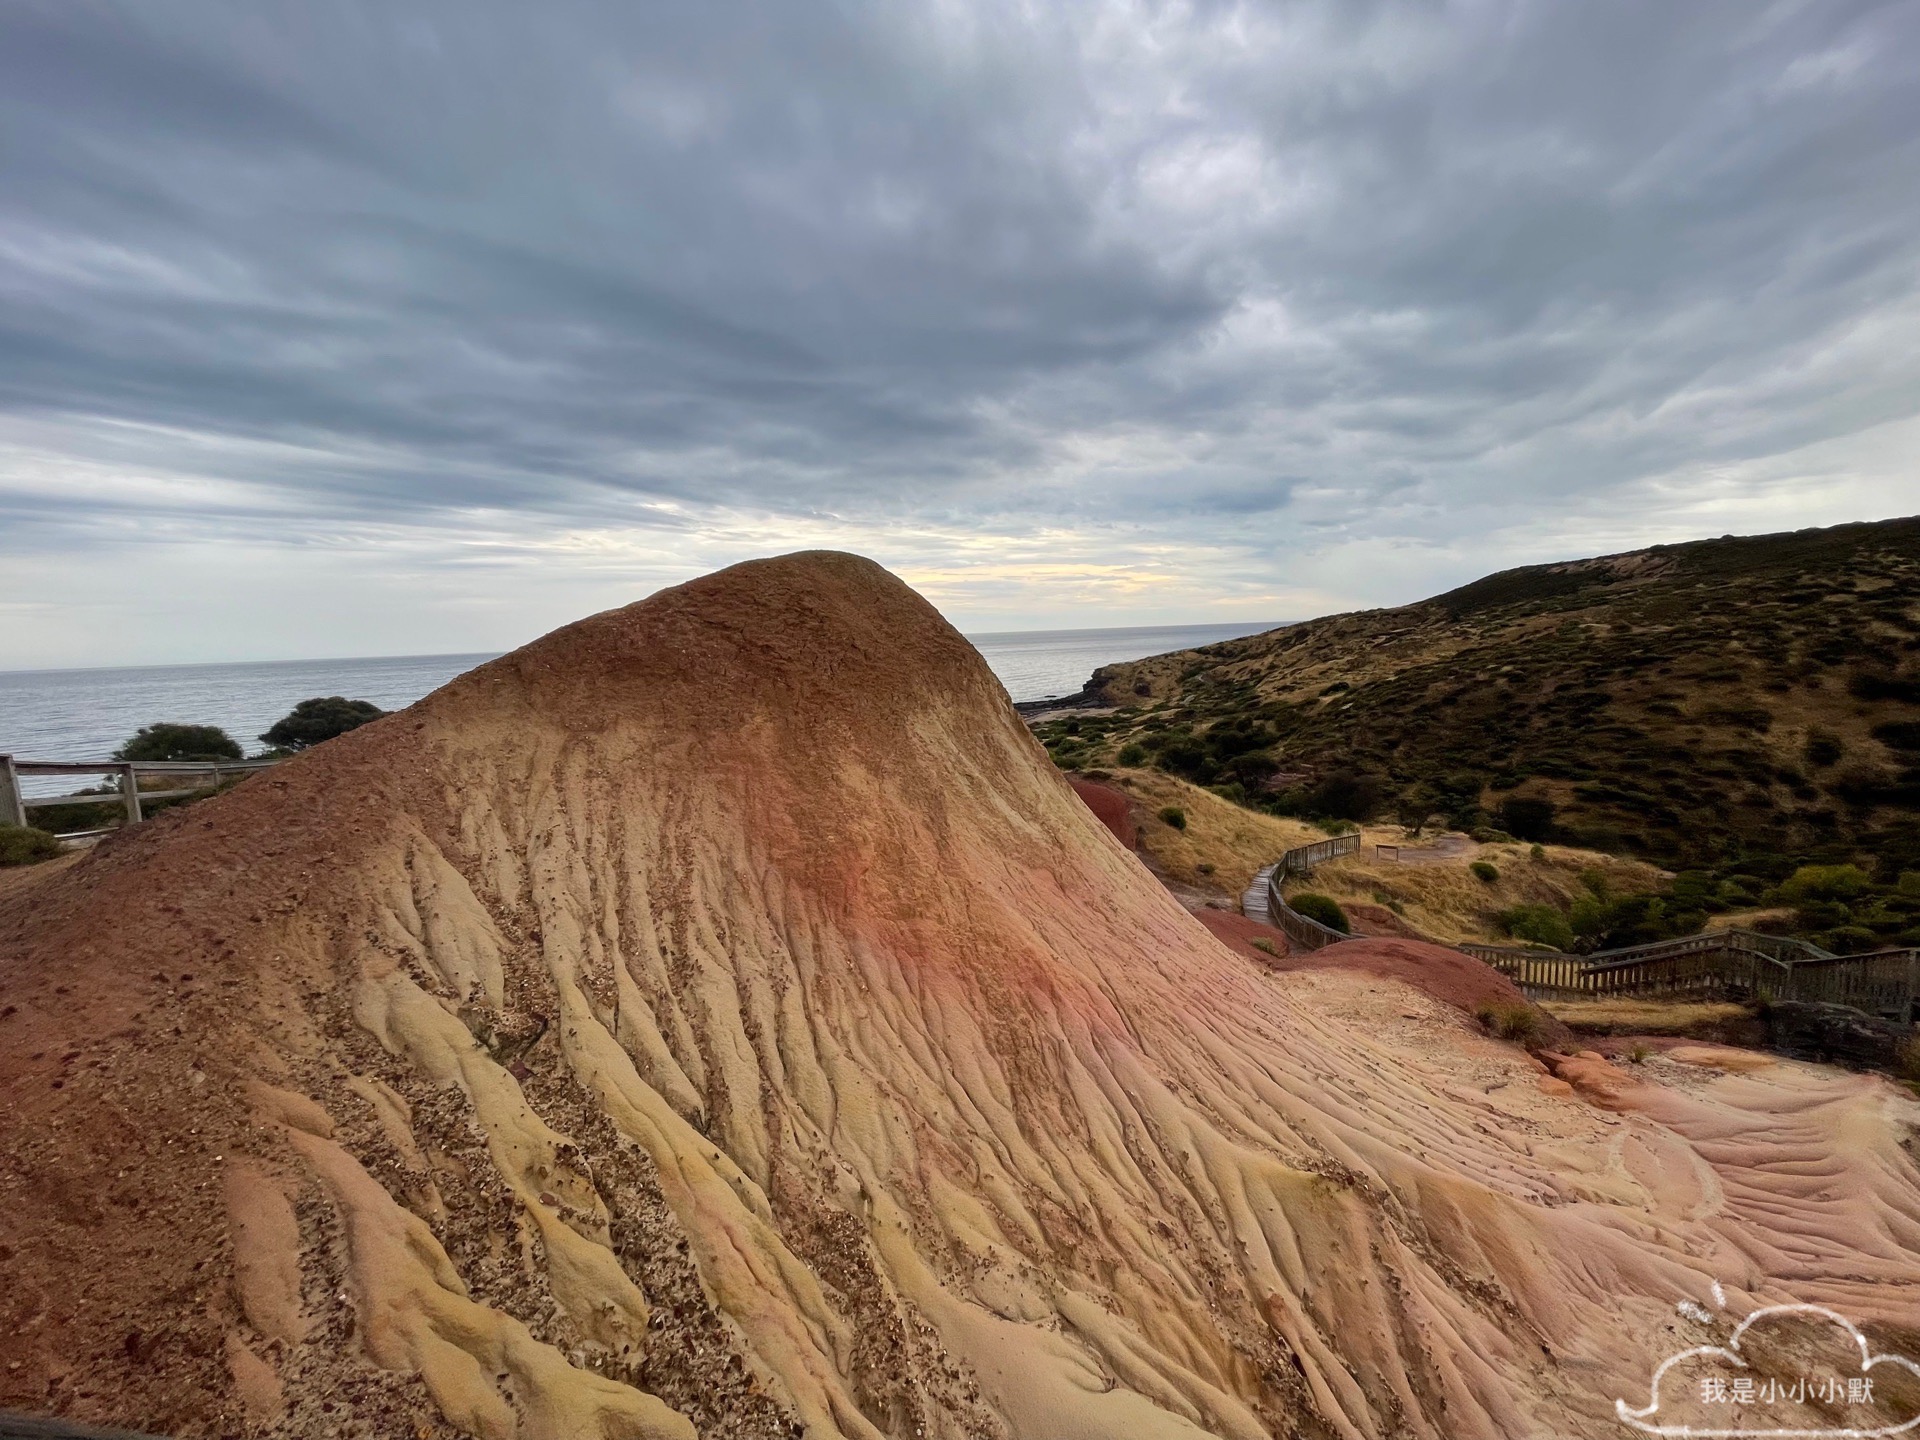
column 168, row 741
column 322, row 718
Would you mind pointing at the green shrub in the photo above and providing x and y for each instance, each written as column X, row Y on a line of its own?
column 167, row 741
column 24, row 845
column 1527, row 818
column 1323, row 908
column 1261, row 943
column 1485, row 871
column 1173, row 815
column 1537, row 924
column 1205, row 867
column 1899, row 734
column 1347, row 795
column 323, row 717
column 1867, row 686
column 1824, row 882
column 1132, row 756
column 1538, row 854
column 1252, row 767
column 1822, row 749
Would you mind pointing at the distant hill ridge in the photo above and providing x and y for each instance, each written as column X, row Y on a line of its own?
column 1724, row 703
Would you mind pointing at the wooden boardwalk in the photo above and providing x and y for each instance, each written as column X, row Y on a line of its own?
column 1718, row 965
column 1262, row 900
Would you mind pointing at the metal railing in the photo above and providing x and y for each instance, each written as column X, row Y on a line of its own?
column 14, row 804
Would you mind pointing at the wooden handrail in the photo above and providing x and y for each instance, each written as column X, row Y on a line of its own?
column 1739, row 964
column 14, row 804
column 1303, row 930
column 143, row 767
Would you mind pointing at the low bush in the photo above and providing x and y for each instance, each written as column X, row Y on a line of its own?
column 1347, row 795
column 1323, row 908
column 1173, row 815
column 1538, row 925
column 325, row 716
column 1520, row 1023
column 1822, row 749
column 1132, row 756
column 1485, row 871
column 1824, row 882
column 1868, row 686
column 1264, row 945
column 1527, row 818
column 1899, row 734
column 24, row 845
column 168, row 741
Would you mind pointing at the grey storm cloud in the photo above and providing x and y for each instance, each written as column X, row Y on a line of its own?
column 1377, row 268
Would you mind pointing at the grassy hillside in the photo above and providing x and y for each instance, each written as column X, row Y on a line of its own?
column 1486, row 893
column 1736, row 709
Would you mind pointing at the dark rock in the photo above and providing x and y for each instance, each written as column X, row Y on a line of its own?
column 1836, row 1034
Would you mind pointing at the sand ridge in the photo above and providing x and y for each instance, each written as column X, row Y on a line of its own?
column 719, row 1018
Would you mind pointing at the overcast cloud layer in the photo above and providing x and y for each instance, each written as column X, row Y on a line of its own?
column 334, row 328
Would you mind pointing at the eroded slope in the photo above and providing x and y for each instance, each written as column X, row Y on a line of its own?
column 718, row 1018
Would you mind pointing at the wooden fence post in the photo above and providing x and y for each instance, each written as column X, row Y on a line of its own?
column 12, row 812
column 130, row 784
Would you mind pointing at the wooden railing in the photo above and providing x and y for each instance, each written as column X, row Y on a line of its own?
column 1722, row 964
column 1263, row 901
column 14, row 804
column 1303, row 858
column 1302, row 930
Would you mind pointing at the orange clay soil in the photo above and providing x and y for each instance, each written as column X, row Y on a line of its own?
column 718, row 1018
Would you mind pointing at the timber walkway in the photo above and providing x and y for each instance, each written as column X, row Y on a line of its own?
column 1718, row 965
column 1741, row 965
column 1263, row 901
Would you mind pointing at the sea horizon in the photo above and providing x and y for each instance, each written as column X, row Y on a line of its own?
column 85, row 712
column 1249, row 627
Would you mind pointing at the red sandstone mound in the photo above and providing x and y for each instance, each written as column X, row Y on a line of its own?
column 718, row 1018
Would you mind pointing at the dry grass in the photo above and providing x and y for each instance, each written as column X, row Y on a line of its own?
column 1642, row 1017
column 1447, row 901
column 1235, row 841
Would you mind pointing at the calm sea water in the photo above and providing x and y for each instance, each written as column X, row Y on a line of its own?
column 86, row 714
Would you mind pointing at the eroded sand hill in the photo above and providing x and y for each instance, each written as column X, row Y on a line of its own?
column 719, row 1019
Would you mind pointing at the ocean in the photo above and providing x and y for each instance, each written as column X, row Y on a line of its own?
column 87, row 714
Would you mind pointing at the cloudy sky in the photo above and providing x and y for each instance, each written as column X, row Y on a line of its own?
column 335, row 328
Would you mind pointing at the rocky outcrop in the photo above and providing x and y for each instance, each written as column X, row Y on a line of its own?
column 720, row 1019
column 1836, row 1035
